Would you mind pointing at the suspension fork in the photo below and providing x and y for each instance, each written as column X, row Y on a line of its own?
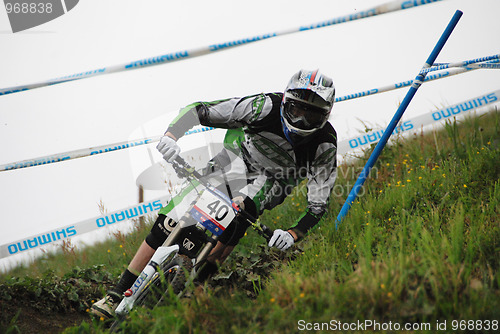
column 142, row 281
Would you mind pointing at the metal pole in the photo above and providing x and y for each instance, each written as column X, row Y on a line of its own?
column 397, row 116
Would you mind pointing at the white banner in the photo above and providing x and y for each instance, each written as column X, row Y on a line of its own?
column 413, row 124
column 77, row 229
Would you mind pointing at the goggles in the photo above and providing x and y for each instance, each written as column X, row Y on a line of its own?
column 304, row 116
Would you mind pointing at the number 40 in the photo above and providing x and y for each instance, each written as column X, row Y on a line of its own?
column 217, row 210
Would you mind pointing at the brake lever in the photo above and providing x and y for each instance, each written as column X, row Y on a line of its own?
column 262, row 230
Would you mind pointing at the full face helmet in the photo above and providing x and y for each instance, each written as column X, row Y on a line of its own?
column 307, row 102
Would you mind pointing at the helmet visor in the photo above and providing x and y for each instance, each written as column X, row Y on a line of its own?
column 304, row 116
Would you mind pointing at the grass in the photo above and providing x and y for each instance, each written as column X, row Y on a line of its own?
column 420, row 246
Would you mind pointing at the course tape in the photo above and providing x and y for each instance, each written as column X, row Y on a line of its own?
column 58, row 157
column 136, row 211
column 457, row 69
column 414, row 124
column 89, row 225
column 186, row 54
column 471, row 62
column 85, row 152
column 487, row 66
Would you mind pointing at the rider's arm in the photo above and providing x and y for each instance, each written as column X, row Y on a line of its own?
column 171, row 135
column 321, row 179
column 306, row 222
column 228, row 114
column 187, row 118
column 294, row 234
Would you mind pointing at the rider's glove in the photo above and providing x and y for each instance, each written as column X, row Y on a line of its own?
column 281, row 240
column 168, row 148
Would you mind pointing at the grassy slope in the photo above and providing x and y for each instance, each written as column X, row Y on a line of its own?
column 420, row 245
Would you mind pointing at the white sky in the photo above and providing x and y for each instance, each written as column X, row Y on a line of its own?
column 359, row 55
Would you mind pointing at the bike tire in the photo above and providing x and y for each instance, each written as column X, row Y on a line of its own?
column 175, row 276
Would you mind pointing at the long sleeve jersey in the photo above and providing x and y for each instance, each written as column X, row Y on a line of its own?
column 265, row 147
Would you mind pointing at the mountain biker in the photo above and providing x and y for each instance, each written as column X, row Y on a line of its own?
column 280, row 139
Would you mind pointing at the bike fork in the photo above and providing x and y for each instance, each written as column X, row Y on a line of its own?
column 144, row 278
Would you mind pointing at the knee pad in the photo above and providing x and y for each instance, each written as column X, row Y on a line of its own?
column 160, row 231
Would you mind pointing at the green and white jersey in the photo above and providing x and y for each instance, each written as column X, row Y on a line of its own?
column 256, row 135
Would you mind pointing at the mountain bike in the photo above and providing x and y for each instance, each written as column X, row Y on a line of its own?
column 175, row 265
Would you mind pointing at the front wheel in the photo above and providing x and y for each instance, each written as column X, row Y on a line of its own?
column 172, row 275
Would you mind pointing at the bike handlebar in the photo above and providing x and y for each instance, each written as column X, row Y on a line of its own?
column 184, row 169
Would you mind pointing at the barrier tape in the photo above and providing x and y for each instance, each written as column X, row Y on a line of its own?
column 58, row 157
column 196, row 52
column 487, row 66
column 85, row 152
column 439, row 75
column 434, row 117
column 89, row 225
column 139, row 210
column 459, row 64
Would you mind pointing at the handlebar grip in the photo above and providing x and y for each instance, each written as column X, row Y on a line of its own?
column 181, row 161
column 184, row 169
column 267, row 232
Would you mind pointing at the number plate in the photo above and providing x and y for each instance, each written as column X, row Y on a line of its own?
column 213, row 212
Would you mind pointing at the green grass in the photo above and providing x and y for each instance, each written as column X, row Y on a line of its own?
column 421, row 245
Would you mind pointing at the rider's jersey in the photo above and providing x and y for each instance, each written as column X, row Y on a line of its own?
column 264, row 147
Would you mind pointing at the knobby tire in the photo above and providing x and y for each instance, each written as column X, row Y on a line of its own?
column 172, row 275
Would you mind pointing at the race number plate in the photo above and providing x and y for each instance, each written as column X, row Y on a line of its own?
column 213, row 212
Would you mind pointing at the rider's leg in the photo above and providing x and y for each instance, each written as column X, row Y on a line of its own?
column 159, row 233
column 155, row 239
column 220, row 253
column 141, row 258
column 226, row 243
column 260, row 189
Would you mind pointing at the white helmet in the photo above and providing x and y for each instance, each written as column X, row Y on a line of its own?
column 307, row 102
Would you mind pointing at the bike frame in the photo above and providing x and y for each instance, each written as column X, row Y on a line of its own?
column 193, row 219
